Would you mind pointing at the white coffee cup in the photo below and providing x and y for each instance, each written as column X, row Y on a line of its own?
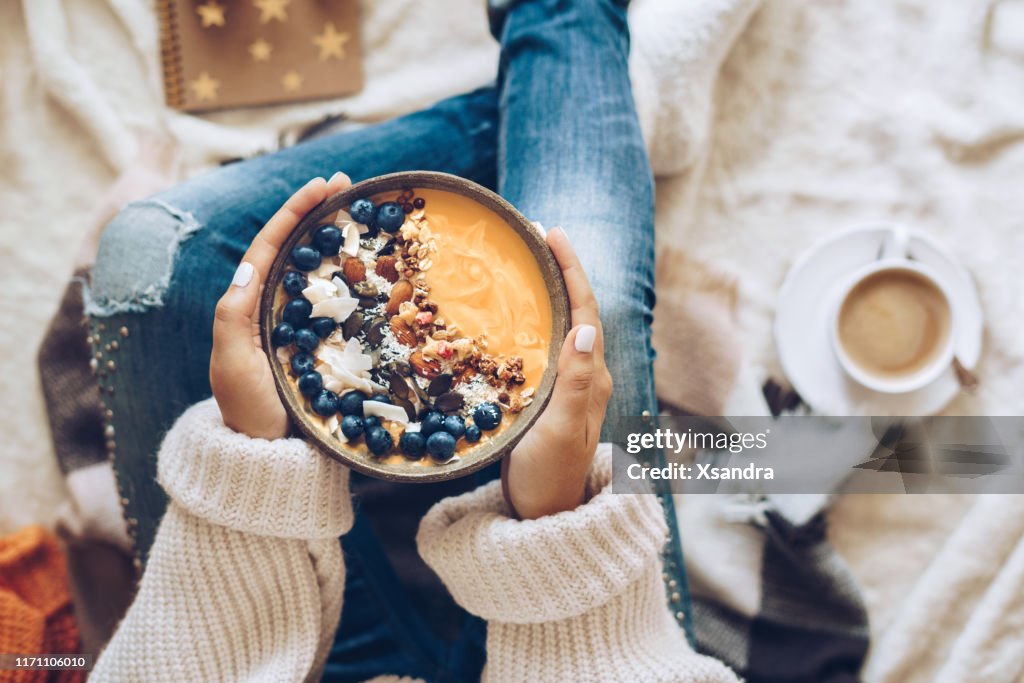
column 894, row 257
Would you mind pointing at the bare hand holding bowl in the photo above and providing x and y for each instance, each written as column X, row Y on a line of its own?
column 444, row 300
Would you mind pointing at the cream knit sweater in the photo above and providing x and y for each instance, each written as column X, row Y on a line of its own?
column 245, row 578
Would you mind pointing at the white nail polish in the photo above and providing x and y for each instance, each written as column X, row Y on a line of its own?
column 243, row 275
column 585, row 337
column 540, row 228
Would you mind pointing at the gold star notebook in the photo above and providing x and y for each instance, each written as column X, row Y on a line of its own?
column 219, row 54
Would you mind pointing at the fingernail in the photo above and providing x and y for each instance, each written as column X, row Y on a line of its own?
column 314, row 180
column 585, row 337
column 243, row 276
column 562, row 232
column 334, row 177
column 540, row 228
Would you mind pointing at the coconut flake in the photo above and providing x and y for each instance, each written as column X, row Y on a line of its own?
column 350, row 358
column 413, row 426
column 343, row 290
column 386, row 411
column 334, row 427
column 340, row 380
column 344, row 220
column 328, row 267
column 319, row 290
column 351, row 246
column 337, row 308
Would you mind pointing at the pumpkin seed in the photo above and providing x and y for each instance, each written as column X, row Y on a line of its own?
column 420, row 394
column 375, row 335
column 440, row 384
column 365, row 289
column 398, row 386
column 352, row 325
column 449, row 402
column 407, row 405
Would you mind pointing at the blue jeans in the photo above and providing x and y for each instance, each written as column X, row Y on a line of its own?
column 558, row 136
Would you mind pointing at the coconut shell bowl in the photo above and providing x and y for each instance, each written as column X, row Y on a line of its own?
column 413, row 324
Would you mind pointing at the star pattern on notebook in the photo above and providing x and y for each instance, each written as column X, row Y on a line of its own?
column 331, row 42
column 271, row 10
column 205, row 87
column 291, row 81
column 260, row 50
column 211, row 13
column 232, row 53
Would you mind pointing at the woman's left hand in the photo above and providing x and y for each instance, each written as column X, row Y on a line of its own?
column 239, row 370
column 547, row 471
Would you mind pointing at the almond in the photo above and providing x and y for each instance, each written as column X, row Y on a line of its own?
column 387, row 269
column 428, row 369
column 354, row 270
column 403, row 333
column 400, row 293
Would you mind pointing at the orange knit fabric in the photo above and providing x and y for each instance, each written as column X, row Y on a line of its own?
column 36, row 616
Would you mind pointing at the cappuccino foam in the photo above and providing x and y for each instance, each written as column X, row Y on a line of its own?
column 894, row 323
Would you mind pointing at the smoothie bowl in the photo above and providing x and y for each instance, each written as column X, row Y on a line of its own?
column 413, row 324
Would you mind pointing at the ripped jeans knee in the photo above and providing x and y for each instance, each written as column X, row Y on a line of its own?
column 136, row 258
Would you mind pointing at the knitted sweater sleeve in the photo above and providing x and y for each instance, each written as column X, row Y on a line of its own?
column 245, row 577
column 573, row 596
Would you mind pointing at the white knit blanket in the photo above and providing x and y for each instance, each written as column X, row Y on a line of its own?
column 825, row 114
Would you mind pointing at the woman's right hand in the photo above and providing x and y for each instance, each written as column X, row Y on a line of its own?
column 546, row 472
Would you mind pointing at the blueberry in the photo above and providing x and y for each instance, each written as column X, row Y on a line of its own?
column 302, row 363
column 305, row 257
column 296, row 312
column 473, row 433
column 306, row 339
column 441, row 446
column 352, row 426
column 294, row 282
column 362, row 211
column 325, row 403
column 487, row 416
column 419, row 203
column 371, row 421
column 432, row 422
column 322, row 326
column 412, row 444
column 390, row 216
column 381, row 398
column 352, row 403
column 311, row 383
column 378, row 440
column 327, row 240
column 455, row 425
column 283, row 335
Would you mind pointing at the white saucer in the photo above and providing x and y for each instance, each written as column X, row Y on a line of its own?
column 802, row 325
